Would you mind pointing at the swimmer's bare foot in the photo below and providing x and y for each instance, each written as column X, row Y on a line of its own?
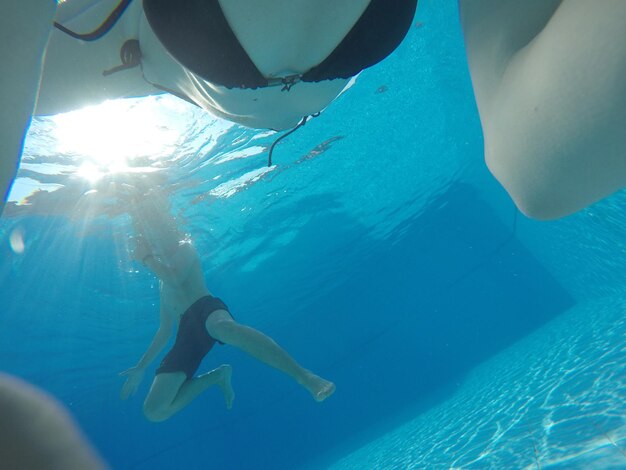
column 320, row 388
column 226, row 372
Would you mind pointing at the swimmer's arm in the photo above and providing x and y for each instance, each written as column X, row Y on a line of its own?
column 160, row 339
column 161, row 269
column 134, row 375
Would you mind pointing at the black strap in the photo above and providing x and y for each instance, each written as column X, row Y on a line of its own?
column 378, row 32
column 130, row 55
column 300, row 124
column 199, row 37
column 104, row 28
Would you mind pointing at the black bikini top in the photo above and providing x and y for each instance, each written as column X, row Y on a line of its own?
column 199, row 37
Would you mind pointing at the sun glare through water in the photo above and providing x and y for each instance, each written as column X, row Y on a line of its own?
column 117, row 140
column 116, row 136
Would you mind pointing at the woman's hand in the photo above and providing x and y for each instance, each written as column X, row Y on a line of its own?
column 134, row 376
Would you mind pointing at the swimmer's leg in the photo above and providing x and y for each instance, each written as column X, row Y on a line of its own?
column 221, row 326
column 25, row 26
column 171, row 391
column 194, row 387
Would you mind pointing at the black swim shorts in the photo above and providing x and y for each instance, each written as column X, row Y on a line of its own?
column 193, row 342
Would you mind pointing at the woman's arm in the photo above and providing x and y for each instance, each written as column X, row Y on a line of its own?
column 24, row 30
column 549, row 83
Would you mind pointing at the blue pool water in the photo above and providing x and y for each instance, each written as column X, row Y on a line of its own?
column 377, row 250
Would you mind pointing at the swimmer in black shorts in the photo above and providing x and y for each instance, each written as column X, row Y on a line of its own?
column 202, row 321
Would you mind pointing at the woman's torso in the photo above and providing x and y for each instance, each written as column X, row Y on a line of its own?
column 280, row 37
